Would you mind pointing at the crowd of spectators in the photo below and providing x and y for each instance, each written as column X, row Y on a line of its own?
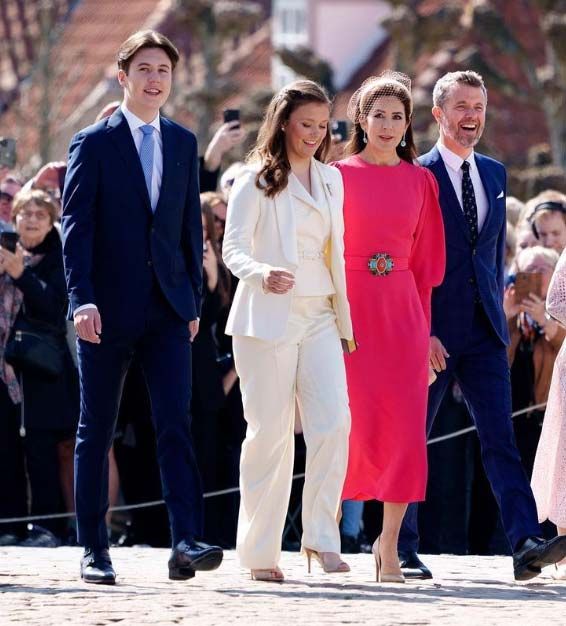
column 39, row 410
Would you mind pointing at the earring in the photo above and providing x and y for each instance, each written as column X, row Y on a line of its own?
column 403, row 143
column 365, row 140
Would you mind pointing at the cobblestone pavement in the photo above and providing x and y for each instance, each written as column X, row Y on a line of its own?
column 41, row 586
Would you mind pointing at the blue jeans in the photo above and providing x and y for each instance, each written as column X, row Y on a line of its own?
column 352, row 511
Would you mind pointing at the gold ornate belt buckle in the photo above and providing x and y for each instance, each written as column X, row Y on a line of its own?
column 380, row 264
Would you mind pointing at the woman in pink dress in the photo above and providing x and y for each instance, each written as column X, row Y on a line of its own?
column 395, row 254
column 549, row 472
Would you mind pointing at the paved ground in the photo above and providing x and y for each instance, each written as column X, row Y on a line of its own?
column 40, row 586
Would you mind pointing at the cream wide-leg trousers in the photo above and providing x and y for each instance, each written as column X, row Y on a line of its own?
column 306, row 364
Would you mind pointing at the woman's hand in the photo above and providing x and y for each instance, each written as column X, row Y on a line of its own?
column 278, row 280
column 535, row 307
column 210, row 265
column 510, row 307
column 12, row 262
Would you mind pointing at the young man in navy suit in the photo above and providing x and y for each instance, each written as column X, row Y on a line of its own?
column 469, row 330
column 132, row 241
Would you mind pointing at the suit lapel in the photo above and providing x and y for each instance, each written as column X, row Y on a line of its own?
column 490, row 188
column 285, row 213
column 121, row 135
column 447, row 192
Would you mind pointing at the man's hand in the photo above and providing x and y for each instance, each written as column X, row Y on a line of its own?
column 193, row 329
column 225, row 138
column 438, row 355
column 278, row 280
column 88, row 325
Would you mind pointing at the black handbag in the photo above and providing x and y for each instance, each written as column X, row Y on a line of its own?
column 36, row 347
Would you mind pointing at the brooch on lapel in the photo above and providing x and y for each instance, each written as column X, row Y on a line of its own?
column 329, row 188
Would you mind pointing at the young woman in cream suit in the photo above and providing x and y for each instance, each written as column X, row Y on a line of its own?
column 284, row 241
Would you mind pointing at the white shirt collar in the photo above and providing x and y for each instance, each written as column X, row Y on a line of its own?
column 134, row 122
column 452, row 160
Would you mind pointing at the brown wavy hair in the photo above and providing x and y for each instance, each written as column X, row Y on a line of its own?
column 270, row 148
column 356, row 143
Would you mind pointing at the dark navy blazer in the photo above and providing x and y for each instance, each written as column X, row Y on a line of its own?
column 114, row 245
column 470, row 271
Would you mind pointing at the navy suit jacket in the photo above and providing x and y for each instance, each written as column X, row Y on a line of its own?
column 470, row 270
column 114, row 245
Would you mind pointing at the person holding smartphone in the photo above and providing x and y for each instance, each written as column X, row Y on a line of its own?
column 535, row 339
column 228, row 135
column 37, row 410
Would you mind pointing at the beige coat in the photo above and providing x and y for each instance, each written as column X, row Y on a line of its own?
column 261, row 234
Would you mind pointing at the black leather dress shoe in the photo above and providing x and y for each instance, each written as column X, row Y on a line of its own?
column 188, row 557
column 413, row 567
column 536, row 553
column 96, row 567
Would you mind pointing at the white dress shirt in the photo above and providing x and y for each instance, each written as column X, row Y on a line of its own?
column 134, row 122
column 454, row 168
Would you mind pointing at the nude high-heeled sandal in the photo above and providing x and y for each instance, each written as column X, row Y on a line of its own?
column 271, row 575
column 381, row 576
column 336, row 567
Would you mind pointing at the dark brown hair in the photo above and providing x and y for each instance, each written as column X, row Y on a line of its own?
column 270, row 147
column 38, row 197
column 145, row 39
column 384, row 88
column 207, row 201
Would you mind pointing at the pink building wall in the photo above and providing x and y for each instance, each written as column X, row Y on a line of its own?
column 345, row 32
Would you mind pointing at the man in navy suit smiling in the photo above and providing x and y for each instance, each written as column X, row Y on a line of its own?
column 133, row 259
column 469, row 330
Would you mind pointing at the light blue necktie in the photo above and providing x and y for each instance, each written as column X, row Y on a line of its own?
column 146, row 156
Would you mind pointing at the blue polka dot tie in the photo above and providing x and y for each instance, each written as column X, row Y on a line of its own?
column 469, row 203
column 146, row 156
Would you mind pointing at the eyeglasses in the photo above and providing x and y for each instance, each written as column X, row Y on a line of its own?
column 40, row 216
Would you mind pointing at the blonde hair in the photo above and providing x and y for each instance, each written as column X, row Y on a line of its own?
column 528, row 255
column 550, row 195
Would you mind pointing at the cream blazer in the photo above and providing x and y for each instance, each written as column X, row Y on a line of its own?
column 260, row 234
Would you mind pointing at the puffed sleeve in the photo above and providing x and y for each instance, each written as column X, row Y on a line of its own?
column 556, row 296
column 428, row 254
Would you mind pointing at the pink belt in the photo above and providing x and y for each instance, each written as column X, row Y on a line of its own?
column 380, row 264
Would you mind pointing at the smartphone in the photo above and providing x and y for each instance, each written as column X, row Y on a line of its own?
column 7, row 152
column 8, row 240
column 526, row 283
column 340, row 129
column 232, row 115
